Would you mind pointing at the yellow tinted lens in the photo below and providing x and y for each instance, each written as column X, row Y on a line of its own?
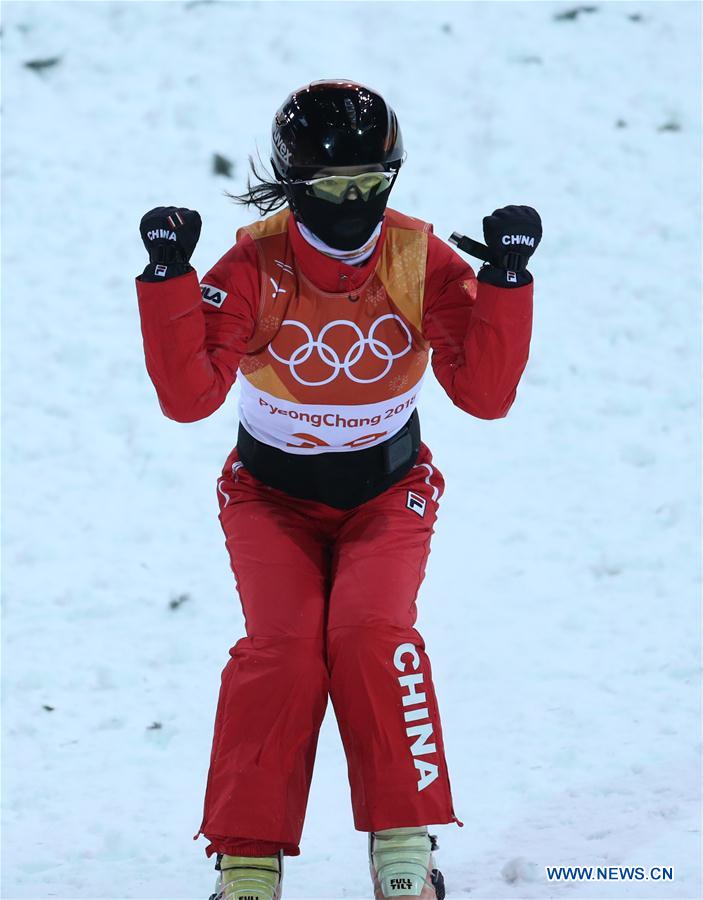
column 367, row 183
column 336, row 187
column 333, row 188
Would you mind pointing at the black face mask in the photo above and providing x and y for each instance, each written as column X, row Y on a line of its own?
column 344, row 226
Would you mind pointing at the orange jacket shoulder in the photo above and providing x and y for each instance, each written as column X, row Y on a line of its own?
column 269, row 227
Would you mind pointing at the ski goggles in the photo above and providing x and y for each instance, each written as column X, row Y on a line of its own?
column 336, row 188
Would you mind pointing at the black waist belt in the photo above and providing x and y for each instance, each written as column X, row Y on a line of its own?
column 342, row 480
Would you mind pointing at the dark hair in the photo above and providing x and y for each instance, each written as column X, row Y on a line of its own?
column 266, row 193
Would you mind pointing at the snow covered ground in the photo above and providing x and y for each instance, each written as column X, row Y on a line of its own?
column 561, row 604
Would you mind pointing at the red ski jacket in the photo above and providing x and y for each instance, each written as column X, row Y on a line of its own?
column 478, row 334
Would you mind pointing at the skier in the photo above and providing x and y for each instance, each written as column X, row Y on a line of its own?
column 328, row 310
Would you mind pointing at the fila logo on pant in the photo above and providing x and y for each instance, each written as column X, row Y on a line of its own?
column 416, row 502
column 427, row 771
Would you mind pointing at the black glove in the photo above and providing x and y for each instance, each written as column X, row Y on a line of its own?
column 170, row 234
column 512, row 235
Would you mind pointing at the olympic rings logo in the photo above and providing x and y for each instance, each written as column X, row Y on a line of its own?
column 331, row 358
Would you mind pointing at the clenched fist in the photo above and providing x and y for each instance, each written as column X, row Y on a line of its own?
column 512, row 235
column 170, row 234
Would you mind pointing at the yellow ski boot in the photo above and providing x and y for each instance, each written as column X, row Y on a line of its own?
column 402, row 865
column 249, row 877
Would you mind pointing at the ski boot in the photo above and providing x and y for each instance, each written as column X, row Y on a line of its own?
column 402, row 865
column 249, row 877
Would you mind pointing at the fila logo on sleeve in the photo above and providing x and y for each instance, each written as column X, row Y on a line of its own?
column 213, row 295
column 416, row 502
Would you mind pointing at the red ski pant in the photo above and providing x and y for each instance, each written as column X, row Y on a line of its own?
column 329, row 601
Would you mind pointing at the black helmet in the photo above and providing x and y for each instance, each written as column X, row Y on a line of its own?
column 334, row 123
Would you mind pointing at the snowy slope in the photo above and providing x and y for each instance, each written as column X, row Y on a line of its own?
column 561, row 604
